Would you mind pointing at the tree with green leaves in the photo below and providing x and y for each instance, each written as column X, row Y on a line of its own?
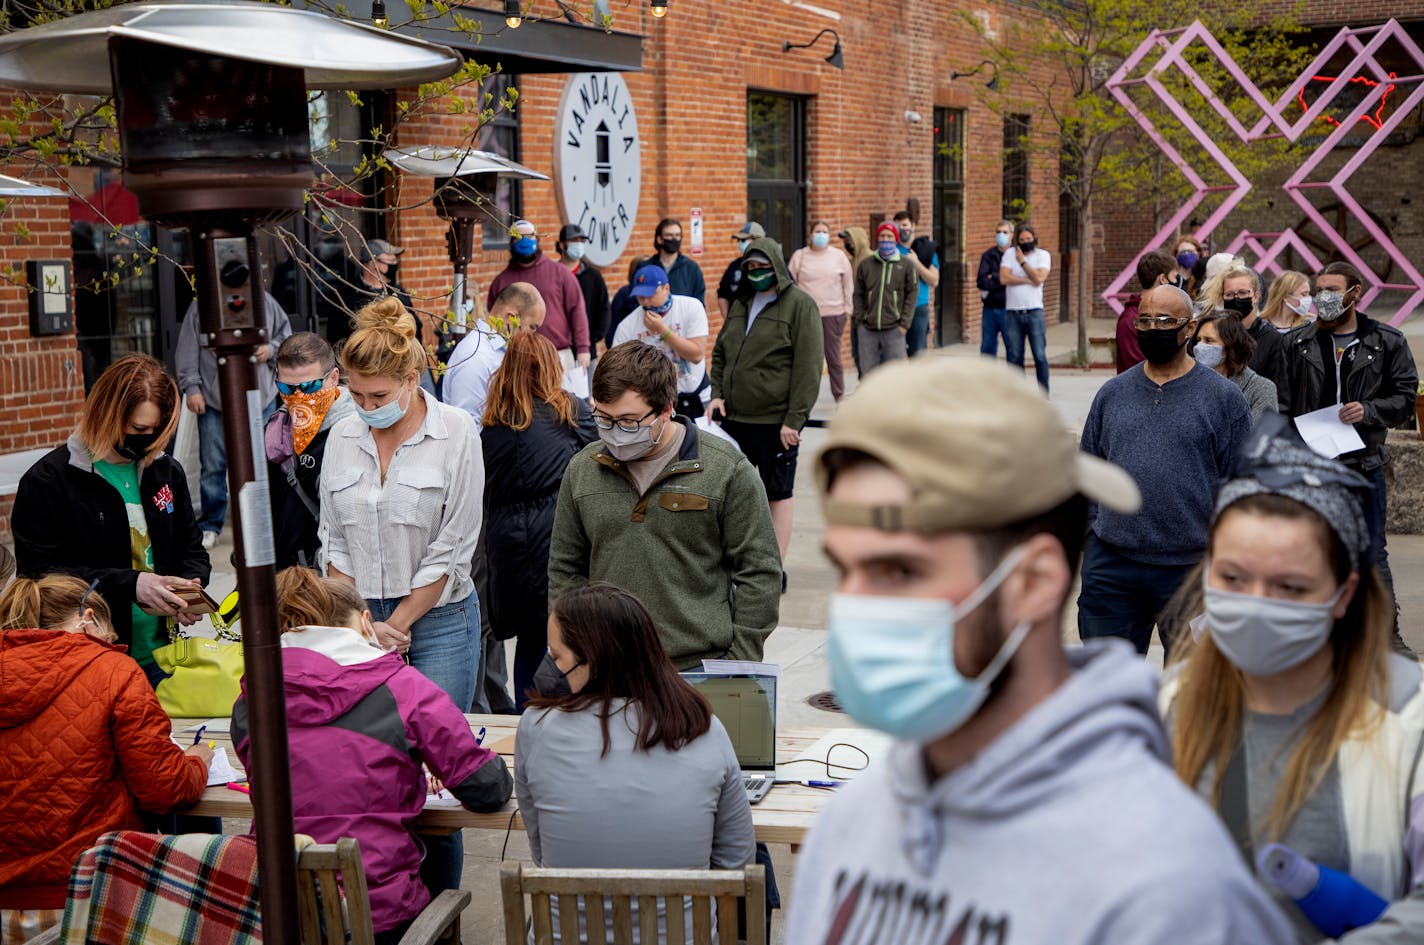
column 1054, row 59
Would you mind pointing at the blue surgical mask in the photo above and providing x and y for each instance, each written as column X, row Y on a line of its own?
column 525, row 246
column 892, row 660
column 385, row 416
column 1208, row 355
column 889, row 248
column 742, row 246
column 1002, row 239
column 820, row 240
column 575, row 250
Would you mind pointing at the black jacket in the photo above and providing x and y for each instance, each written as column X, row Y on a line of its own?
column 523, row 472
column 1270, row 343
column 1378, row 372
column 988, row 278
column 68, row 518
column 595, row 301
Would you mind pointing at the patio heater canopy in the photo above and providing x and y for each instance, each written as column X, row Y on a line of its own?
column 72, row 54
column 14, row 187
column 433, row 161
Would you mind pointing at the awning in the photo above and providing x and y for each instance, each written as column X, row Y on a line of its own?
column 552, row 45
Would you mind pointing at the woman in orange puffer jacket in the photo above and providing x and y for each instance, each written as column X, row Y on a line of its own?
column 84, row 745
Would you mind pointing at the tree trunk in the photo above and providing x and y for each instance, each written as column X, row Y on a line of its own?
column 1085, row 219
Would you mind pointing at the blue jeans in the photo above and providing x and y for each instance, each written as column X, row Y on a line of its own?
column 1376, row 509
column 1019, row 323
column 916, row 339
column 212, row 460
column 990, row 329
column 445, row 647
column 1122, row 597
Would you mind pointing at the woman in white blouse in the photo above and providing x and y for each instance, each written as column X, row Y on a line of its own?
column 402, row 486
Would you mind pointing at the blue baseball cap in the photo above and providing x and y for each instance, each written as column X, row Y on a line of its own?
column 648, row 280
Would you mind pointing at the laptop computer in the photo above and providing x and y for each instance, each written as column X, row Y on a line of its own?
column 745, row 704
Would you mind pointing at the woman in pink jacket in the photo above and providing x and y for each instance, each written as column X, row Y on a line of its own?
column 360, row 722
column 825, row 274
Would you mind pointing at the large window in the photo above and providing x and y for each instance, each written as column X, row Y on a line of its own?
column 776, row 166
column 948, row 224
column 1015, row 202
column 500, row 135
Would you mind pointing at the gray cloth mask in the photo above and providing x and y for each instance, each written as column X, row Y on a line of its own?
column 1262, row 636
column 626, row 446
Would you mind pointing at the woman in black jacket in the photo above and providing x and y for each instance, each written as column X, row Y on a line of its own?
column 532, row 428
column 110, row 507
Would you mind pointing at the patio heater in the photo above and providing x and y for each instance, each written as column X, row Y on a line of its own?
column 15, row 187
column 465, row 181
column 211, row 104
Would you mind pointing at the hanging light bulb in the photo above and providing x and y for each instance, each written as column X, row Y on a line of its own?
column 378, row 14
column 513, row 16
column 659, row 8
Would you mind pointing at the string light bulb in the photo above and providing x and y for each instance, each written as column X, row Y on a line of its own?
column 378, row 14
column 659, row 8
column 513, row 16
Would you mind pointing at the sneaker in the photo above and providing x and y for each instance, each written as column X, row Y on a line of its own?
column 210, row 540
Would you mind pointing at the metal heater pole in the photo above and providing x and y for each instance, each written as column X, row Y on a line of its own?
column 231, row 309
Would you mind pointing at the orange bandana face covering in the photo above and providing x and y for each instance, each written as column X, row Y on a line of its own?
column 307, row 411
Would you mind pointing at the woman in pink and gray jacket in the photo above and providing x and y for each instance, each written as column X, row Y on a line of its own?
column 360, row 723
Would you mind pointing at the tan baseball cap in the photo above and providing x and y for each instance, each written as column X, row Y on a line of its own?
column 979, row 444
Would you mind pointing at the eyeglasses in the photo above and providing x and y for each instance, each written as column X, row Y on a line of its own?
column 306, row 387
column 1155, row 322
column 1246, row 294
column 84, row 601
column 627, row 426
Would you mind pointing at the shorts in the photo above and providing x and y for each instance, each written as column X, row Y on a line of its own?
column 761, row 442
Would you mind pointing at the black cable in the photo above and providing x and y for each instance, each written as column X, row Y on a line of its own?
column 830, row 764
column 507, row 831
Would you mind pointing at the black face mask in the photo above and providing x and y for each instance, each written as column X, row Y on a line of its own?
column 550, row 681
column 391, row 271
column 850, row 248
column 1028, row 247
column 1242, row 307
column 672, row 246
column 135, row 445
column 1160, row 345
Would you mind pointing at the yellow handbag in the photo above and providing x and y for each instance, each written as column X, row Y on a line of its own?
column 204, row 675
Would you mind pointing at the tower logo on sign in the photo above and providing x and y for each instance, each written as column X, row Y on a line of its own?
column 598, row 162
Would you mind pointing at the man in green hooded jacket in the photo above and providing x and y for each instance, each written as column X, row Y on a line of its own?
column 766, row 374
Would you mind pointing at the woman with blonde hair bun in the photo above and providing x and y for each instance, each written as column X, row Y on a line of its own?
column 402, row 491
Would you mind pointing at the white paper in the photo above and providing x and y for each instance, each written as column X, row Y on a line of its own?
column 740, row 668
column 576, row 381
column 1324, row 433
column 849, row 751
column 216, row 726
column 221, row 770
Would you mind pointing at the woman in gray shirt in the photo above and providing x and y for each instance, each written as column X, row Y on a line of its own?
column 619, row 762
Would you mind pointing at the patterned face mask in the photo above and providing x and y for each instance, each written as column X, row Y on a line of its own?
column 307, row 411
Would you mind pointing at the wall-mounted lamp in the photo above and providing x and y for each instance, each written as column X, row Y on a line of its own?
column 913, row 117
column 836, row 58
column 378, row 14
column 659, row 8
column 513, row 16
column 992, row 85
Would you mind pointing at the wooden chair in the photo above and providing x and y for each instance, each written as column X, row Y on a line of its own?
column 544, row 886
column 343, row 918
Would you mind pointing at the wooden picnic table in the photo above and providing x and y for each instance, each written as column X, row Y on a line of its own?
column 783, row 816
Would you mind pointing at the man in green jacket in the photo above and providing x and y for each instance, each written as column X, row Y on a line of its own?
column 669, row 514
column 884, row 302
column 766, row 373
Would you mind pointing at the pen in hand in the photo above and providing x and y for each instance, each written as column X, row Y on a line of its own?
column 199, row 736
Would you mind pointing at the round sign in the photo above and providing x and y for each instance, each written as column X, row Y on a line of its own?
column 598, row 162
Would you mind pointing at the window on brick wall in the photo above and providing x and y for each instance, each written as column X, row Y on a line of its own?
column 1015, row 195
column 776, row 166
column 500, row 135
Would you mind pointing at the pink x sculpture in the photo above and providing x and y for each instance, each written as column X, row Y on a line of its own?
column 1363, row 45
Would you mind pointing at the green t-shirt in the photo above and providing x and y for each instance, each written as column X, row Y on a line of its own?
column 148, row 630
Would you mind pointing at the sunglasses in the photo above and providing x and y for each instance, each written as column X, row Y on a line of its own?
column 305, row 387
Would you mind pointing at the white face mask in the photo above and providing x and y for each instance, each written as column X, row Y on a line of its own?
column 1263, row 636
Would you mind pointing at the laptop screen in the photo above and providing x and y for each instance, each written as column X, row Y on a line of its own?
column 746, row 707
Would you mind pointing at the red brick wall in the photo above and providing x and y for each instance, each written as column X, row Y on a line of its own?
column 862, row 157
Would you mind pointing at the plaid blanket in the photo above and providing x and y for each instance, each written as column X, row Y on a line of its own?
column 164, row 890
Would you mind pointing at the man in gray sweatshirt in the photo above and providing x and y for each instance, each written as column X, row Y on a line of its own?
column 1028, row 796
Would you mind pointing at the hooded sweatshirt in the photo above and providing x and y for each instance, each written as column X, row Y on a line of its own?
column 84, row 747
column 767, row 368
column 1069, row 828
column 359, row 724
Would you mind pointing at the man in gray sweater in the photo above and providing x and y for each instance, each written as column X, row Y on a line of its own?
column 1028, row 796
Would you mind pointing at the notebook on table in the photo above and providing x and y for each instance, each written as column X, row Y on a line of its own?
column 745, row 704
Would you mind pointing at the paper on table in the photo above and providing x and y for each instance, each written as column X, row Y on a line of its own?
column 740, row 668
column 1324, row 433
column 576, row 381
column 221, row 770
column 216, row 726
